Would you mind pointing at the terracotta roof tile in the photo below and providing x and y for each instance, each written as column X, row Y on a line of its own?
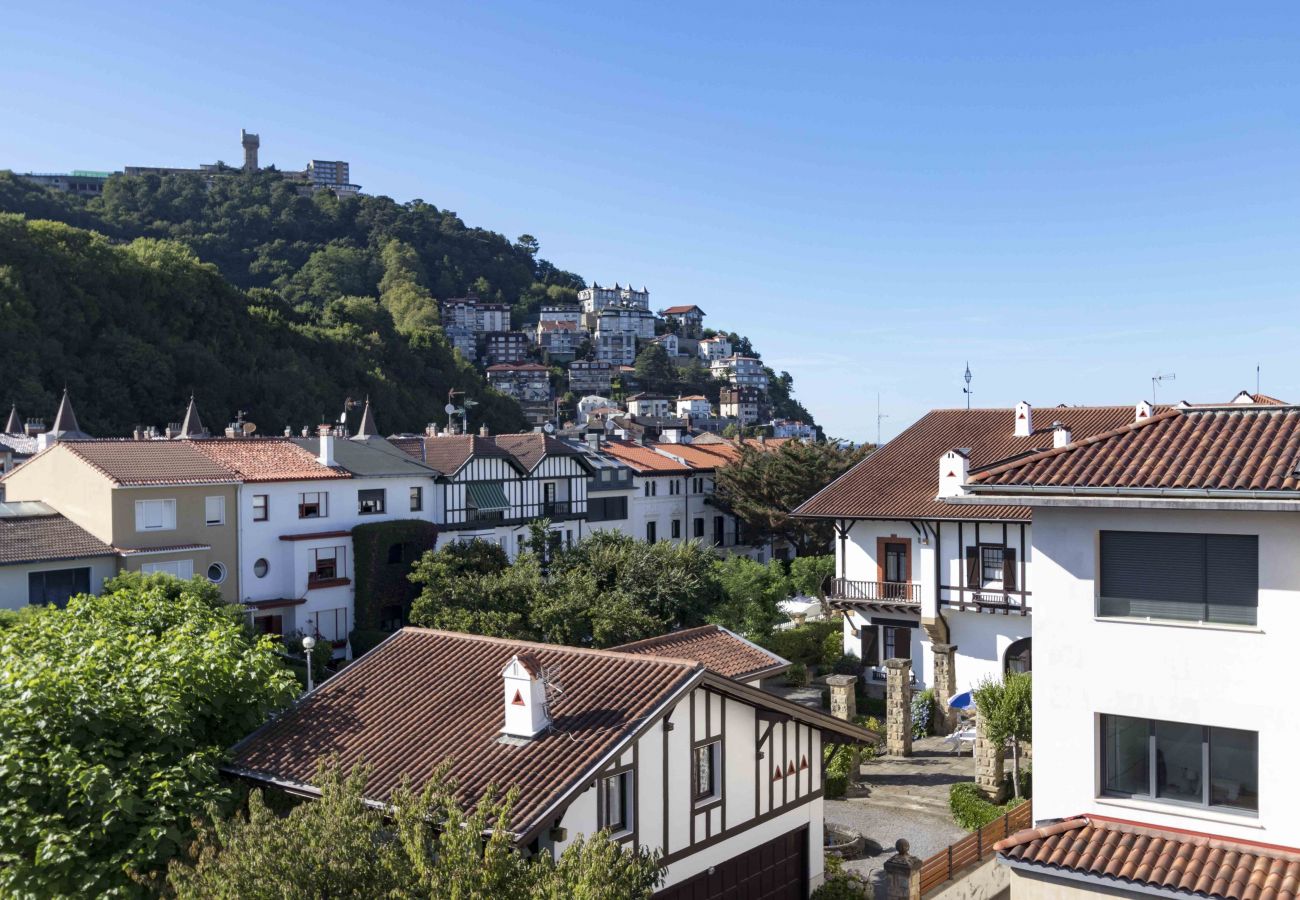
column 530, row 448
column 423, row 697
column 900, row 480
column 644, row 459
column 1241, row 448
column 266, row 459
column 679, row 310
column 149, row 462
column 45, row 538
column 717, row 648
column 1169, row 859
column 448, row 452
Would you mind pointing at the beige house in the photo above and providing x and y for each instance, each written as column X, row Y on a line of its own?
column 163, row 506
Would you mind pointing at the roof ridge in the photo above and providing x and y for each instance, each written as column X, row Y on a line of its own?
column 659, row 640
column 1052, row 452
column 611, row 653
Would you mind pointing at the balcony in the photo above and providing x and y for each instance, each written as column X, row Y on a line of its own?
column 989, row 601
column 553, row 508
column 874, row 591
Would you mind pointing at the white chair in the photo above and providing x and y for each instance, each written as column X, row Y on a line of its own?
column 963, row 733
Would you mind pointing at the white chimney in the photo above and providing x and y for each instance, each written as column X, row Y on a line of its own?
column 954, row 470
column 326, row 438
column 1060, row 435
column 525, row 697
column 1142, row 411
column 1024, row 419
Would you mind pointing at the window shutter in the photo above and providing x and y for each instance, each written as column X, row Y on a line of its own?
column 870, row 645
column 1009, row 569
column 973, row 567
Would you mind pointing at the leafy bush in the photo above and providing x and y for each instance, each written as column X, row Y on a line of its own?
column 804, row 643
column 839, row 767
column 750, row 594
column 922, row 713
column 832, row 648
column 797, row 675
column 971, row 809
column 847, row 664
column 117, row 712
column 809, row 573
column 841, row 885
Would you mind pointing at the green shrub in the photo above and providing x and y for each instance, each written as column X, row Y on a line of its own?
column 971, row 809
column 809, row 573
column 832, row 648
column 922, row 713
column 839, row 767
column 841, row 885
column 797, row 675
column 804, row 643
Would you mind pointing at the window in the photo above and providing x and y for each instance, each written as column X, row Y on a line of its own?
column 677, row 529
column 990, row 564
column 56, row 586
column 1019, row 657
column 605, row 509
column 1179, row 763
column 217, row 573
column 313, row 505
column 261, row 567
column 214, row 510
column 260, row 507
column 698, row 485
column 651, row 532
column 898, row 642
column 268, row 624
column 616, row 802
column 650, row 488
column 698, row 527
column 417, row 499
column 704, row 772
column 155, row 515
column 181, row 568
column 1186, row 577
column 674, row 487
column 332, row 625
column 370, row 502
column 327, row 564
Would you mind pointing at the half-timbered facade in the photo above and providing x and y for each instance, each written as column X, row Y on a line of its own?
column 664, row 752
column 920, row 578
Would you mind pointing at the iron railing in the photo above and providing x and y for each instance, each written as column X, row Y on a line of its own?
column 878, row 591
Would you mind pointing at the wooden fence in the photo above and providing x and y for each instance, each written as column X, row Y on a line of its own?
column 974, row 847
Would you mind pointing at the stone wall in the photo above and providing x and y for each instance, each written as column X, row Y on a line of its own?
column 898, row 707
column 990, row 766
column 945, row 684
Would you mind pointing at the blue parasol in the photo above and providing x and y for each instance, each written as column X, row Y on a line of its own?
column 964, row 700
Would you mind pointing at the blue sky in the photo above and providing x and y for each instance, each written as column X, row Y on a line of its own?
column 1071, row 196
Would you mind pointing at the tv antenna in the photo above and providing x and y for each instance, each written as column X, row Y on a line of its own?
column 966, row 390
column 1157, row 380
column 879, row 416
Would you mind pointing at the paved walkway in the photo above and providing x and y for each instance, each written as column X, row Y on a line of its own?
column 905, row 798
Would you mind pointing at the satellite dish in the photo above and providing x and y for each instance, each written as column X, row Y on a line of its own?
column 449, row 408
column 548, row 427
column 249, row 427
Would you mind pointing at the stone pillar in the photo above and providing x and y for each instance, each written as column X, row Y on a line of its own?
column 902, row 874
column 844, row 701
column 990, row 774
column 945, row 683
column 898, row 707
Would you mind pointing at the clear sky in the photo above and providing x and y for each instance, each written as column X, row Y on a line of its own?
column 1071, row 196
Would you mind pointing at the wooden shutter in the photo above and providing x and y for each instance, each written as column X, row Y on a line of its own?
column 1008, row 569
column 973, row 567
column 870, row 645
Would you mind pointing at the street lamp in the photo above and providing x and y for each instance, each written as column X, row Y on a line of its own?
column 308, row 645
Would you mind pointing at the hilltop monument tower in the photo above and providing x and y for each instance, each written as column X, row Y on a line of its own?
column 250, row 142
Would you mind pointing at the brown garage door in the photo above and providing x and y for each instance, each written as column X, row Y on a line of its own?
column 777, row 870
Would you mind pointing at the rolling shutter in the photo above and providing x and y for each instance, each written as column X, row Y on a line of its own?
column 1231, row 578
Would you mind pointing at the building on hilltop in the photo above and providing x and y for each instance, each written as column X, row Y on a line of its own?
column 689, row 319
column 595, row 298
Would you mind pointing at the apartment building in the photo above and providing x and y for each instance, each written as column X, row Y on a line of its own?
column 740, row 371
column 1165, row 562
column 711, row 348
column 505, row 347
column 590, row 376
column 529, row 383
column 559, row 340
column 744, row 403
column 689, row 319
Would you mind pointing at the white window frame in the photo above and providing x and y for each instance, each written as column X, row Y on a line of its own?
column 214, row 510
column 164, row 513
column 181, row 568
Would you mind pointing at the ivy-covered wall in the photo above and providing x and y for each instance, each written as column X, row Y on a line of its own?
column 383, row 553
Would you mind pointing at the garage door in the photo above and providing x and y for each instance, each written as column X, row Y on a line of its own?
column 777, row 870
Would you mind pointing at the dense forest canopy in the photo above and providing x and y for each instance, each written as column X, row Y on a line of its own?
column 255, row 297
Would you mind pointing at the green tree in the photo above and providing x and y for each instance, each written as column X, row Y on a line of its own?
column 1006, row 713
column 765, row 485
column 495, row 603
column 654, row 370
column 750, row 594
column 808, row 574
column 424, row 846
column 117, row 712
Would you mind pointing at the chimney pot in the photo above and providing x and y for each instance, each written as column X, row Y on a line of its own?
column 1142, row 411
column 954, row 472
column 484, row 431
column 326, row 438
column 524, row 697
column 1060, row 435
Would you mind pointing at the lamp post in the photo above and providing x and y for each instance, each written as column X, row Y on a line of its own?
column 308, row 645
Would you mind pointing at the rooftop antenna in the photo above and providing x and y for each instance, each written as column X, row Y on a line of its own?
column 1157, row 380
column 879, row 417
column 1256, row 378
column 966, row 390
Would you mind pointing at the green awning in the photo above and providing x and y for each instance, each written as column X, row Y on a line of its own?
column 487, row 496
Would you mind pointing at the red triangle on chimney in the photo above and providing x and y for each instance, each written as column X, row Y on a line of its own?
column 1021, row 416
column 519, row 700
column 952, row 474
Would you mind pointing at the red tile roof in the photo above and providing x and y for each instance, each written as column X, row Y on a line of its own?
column 900, row 480
column 148, row 462
column 423, row 697
column 700, row 458
column 680, row 310
column 530, row 448
column 643, row 459
column 448, row 452
column 1123, row 854
column 1232, row 448
column 720, row 650
column 266, row 459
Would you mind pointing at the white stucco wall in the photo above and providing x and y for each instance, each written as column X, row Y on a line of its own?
column 1232, row 677
column 13, row 579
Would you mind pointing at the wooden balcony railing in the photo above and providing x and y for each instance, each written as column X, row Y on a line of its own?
column 974, row 847
column 989, row 600
column 876, row 591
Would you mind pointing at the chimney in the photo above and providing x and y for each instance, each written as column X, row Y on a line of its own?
column 954, row 471
column 137, row 433
column 525, row 697
column 593, row 439
column 1142, row 411
column 431, row 430
column 34, row 427
column 1060, row 435
column 326, row 438
column 288, row 431
column 484, row 431
column 1024, row 419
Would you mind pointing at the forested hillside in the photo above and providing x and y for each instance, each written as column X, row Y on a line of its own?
column 254, row 297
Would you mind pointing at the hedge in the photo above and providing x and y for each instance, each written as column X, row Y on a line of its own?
column 381, row 584
column 971, row 809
